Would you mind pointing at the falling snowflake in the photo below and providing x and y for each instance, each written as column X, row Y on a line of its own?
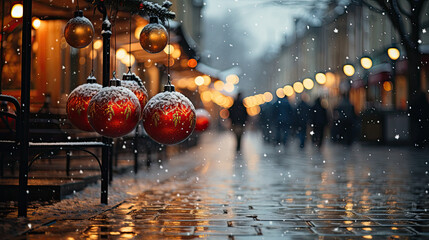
column 335, row 30
column 397, row 136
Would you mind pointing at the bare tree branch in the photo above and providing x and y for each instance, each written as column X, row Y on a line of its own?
column 371, row 7
column 403, row 11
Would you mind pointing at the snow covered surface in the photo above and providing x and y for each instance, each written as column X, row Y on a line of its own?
column 86, row 203
column 164, row 100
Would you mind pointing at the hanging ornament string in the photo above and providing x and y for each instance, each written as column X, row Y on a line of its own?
column 77, row 4
column 168, row 54
column 92, row 46
column 129, row 45
column 1, row 45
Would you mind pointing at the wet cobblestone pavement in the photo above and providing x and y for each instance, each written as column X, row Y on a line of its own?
column 272, row 192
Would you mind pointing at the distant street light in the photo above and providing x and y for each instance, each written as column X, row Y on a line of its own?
column 393, row 54
column 320, row 78
column 17, row 11
column 298, row 87
column 349, row 70
column 366, row 62
column 308, row 83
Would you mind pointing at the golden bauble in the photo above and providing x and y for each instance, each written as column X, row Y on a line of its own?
column 153, row 37
column 79, row 31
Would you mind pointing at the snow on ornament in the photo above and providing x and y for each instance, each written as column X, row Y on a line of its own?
column 134, row 83
column 154, row 36
column 79, row 31
column 77, row 103
column 203, row 120
column 169, row 117
column 114, row 111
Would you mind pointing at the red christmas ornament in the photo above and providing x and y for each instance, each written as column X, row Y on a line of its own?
column 77, row 103
column 114, row 111
column 79, row 31
column 154, row 36
column 134, row 83
column 169, row 117
column 203, row 120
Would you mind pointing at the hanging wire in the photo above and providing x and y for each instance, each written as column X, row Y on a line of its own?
column 92, row 46
column 77, row 4
column 129, row 46
column 168, row 53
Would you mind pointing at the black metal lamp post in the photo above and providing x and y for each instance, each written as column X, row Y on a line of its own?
column 366, row 63
column 393, row 54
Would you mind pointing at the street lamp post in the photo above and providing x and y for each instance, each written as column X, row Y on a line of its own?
column 393, row 54
column 366, row 63
column 349, row 70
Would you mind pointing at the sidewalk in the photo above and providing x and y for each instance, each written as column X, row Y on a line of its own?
column 267, row 192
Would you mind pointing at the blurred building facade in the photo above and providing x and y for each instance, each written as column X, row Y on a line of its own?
column 346, row 34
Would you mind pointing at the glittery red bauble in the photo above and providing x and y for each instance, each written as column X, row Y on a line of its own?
column 203, row 120
column 153, row 37
column 169, row 118
column 114, row 111
column 77, row 105
column 137, row 87
column 79, row 31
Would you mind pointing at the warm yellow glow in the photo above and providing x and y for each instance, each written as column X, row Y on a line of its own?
column 126, row 60
column 121, row 53
column 298, row 87
column 138, row 31
column 330, row 78
column 218, row 85
column 36, row 23
column 229, row 87
column 232, row 78
column 280, row 93
column 288, row 90
column 366, row 62
column 247, row 102
column 199, row 81
column 17, row 11
column 169, row 49
column 253, row 111
column 367, row 237
column 260, row 99
column 321, row 78
column 207, row 80
column 268, row 97
column 206, row 96
column 349, row 70
column 387, row 86
column 308, row 83
column 176, row 53
column 393, row 53
column 98, row 44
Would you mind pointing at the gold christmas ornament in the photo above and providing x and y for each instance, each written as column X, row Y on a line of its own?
column 79, row 31
column 154, row 36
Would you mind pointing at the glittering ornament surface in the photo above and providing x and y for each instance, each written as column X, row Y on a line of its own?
column 203, row 120
column 169, row 118
column 114, row 111
column 139, row 91
column 153, row 38
column 77, row 105
column 79, row 31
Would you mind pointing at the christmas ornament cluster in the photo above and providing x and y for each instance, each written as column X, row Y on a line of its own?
column 115, row 110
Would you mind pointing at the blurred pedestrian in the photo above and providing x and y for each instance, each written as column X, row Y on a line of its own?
column 319, row 120
column 302, row 115
column 283, row 115
column 419, row 114
column 238, row 116
column 345, row 118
